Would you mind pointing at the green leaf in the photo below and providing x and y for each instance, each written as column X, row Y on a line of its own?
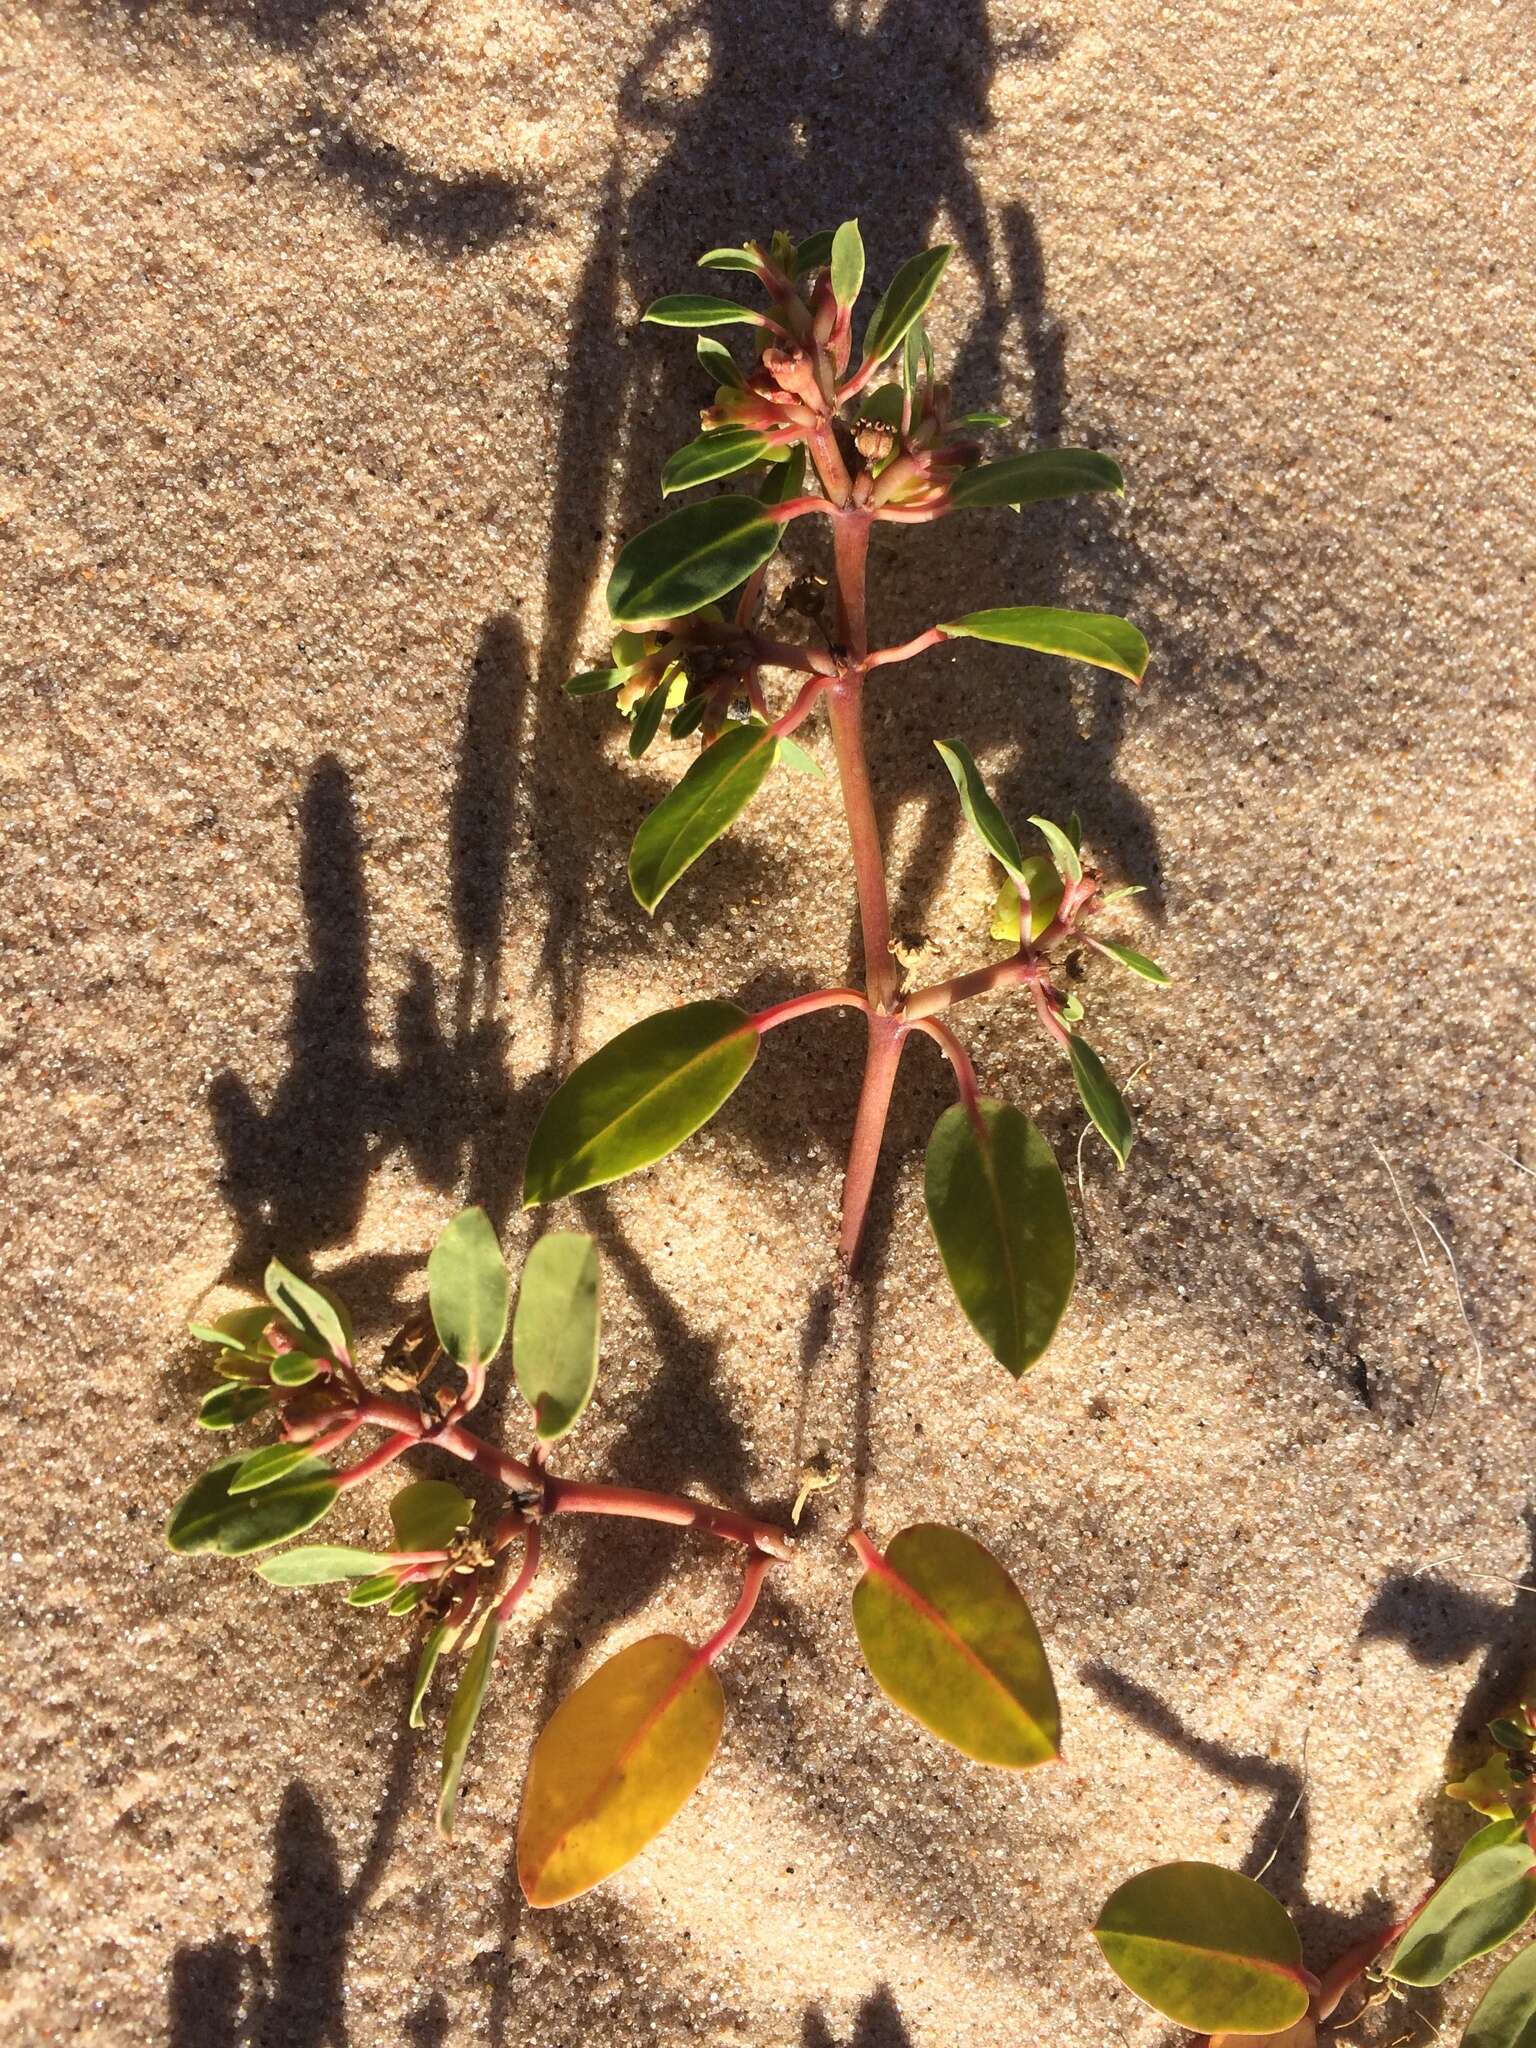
column 981, row 813
column 1208, row 1949
column 906, row 299
column 652, row 710
column 690, row 558
column 719, row 452
column 1028, row 479
column 1065, row 852
column 691, row 817
column 209, row 1517
column 691, row 716
column 847, row 261
column 1506, row 2016
column 375, row 1591
column 784, row 482
column 321, row 1564
column 1102, row 1099
column 718, row 364
column 638, row 1098
column 240, row 1330
column 1503, row 1831
column 428, row 1514
column 312, row 1313
column 462, row 1716
column 613, row 1765
column 594, row 682
column 1129, row 889
column 728, row 259
column 266, row 1466
column 815, row 252
column 469, row 1291
column 426, row 1664
column 1138, row 963
column 1098, row 637
column 1482, row 1903
column 408, row 1599
column 1045, row 891
column 980, row 419
column 293, row 1369
column 700, row 309
column 555, row 1330
column 913, row 350
column 947, row 1636
column 999, row 1214
column 794, row 756
column 234, row 1402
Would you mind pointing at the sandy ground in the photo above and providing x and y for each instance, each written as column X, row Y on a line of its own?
column 325, row 409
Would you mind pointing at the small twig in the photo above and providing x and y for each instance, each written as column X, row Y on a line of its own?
column 1518, row 1164
column 1461, row 1296
column 1418, row 1242
column 1285, row 1826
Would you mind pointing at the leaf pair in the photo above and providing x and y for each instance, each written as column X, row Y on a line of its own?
column 946, row 1635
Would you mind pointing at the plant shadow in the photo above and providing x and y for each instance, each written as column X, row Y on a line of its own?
column 876, row 2024
column 228, row 1994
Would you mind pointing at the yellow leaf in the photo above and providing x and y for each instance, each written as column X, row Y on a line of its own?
column 1486, row 1789
column 613, row 1765
column 1302, row 2035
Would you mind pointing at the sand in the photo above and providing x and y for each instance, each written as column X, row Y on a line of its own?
column 326, row 411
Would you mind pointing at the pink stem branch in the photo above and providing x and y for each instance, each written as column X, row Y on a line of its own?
column 797, row 508
column 386, row 1454
column 527, row 1572
column 934, row 637
column 801, row 709
column 741, row 1613
column 802, row 1006
column 960, row 1060
column 585, row 1497
column 886, row 1035
column 924, row 1002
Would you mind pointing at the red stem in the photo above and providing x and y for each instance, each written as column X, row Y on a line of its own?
column 527, row 1572
column 830, row 466
column 881, row 976
column 585, row 1497
column 960, row 1060
column 850, row 551
column 886, row 1036
column 386, row 1454
column 802, row 707
column 924, row 1002
column 934, row 637
column 802, row 1006
column 741, row 1613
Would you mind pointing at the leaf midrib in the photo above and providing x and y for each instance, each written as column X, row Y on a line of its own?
column 676, row 1074
column 1195, row 1948
column 670, row 1694
column 704, row 793
column 681, row 563
column 904, row 1589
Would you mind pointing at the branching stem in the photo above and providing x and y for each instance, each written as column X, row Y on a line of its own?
column 741, row 1613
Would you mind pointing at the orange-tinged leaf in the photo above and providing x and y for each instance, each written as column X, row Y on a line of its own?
column 948, row 1637
column 615, row 1762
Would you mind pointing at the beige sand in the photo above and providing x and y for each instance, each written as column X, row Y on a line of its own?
column 326, row 407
